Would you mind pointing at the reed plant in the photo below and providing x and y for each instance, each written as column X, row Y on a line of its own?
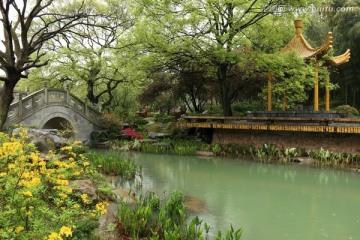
column 178, row 146
column 266, row 153
column 164, row 146
column 152, row 218
column 113, row 164
column 325, row 157
column 322, row 157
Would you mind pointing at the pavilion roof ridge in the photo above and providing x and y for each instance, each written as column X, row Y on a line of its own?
column 302, row 46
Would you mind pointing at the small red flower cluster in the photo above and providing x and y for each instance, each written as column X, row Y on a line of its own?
column 131, row 133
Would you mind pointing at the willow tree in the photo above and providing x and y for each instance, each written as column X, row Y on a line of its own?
column 26, row 27
column 94, row 62
column 215, row 29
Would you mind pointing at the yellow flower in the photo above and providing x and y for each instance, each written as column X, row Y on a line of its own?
column 32, row 183
column 42, row 163
column 3, row 174
column 27, row 194
column 19, row 229
column 62, row 182
column 72, row 165
column 63, row 195
column 84, row 198
column 66, row 189
column 35, row 157
column 61, row 176
column 101, row 207
column 66, row 148
column 11, row 166
column 86, row 164
column 54, row 236
column 66, row 231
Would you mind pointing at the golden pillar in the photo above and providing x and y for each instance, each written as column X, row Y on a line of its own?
column 316, row 88
column 327, row 94
column 269, row 96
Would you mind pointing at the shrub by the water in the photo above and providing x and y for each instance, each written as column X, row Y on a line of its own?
column 150, row 218
column 322, row 157
column 113, row 164
column 35, row 197
column 347, row 109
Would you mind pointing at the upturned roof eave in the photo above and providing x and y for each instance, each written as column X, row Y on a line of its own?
column 340, row 59
column 299, row 44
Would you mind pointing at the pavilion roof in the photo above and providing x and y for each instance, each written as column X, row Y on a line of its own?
column 305, row 50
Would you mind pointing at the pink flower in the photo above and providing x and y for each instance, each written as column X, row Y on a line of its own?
column 132, row 133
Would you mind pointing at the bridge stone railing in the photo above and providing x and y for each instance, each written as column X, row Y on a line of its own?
column 29, row 104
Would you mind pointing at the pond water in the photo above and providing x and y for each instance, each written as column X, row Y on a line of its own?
column 270, row 202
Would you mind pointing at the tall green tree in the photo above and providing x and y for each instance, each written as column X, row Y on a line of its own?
column 292, row 78
column 215, row 29
column 92, row 64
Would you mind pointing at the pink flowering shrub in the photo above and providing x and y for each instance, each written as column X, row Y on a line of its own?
column 131, row 133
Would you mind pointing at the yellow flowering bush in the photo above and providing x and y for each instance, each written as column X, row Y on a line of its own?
column 35, row 198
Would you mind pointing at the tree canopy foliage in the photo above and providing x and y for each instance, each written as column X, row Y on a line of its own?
column 172, row 53
column 211, row 30
column 27, row 26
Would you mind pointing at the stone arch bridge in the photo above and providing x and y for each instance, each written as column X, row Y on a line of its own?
column 54, row 109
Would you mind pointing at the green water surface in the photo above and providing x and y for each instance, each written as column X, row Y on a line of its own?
column 270, row 202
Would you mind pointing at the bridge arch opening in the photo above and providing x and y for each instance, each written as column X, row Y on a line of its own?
column 63, row 125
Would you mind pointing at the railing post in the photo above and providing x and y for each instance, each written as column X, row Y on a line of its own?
column 20, row 111
column 85, row 108
column 46, row 97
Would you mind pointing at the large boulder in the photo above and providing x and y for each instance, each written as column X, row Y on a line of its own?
column 304, row 160
column 154, row 135
column 44, row 139
column 84, row 187
column 123, row 195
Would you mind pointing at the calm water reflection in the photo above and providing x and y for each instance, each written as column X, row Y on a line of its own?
column 268, row 201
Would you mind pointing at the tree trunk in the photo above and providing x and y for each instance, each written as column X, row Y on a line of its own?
column 6, row 97
column 90, row 93
column 224, row 90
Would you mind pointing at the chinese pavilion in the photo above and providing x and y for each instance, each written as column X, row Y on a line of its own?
column 299, row 44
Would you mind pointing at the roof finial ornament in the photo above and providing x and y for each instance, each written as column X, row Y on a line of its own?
column 298, row 26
